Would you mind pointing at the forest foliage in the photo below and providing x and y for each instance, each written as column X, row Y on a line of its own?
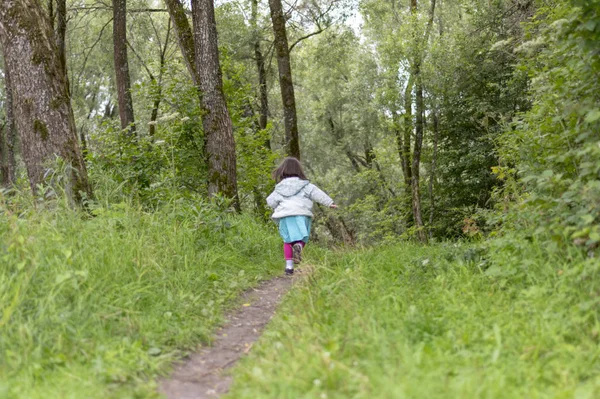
column 493, row 103
column 488, row 70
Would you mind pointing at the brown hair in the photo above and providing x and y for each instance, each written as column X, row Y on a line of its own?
column 289, row 167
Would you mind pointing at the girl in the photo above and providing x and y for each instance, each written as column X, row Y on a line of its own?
column 292, row 201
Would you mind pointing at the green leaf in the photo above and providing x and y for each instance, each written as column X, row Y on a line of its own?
column 587, row 219
column 592, row 116
column 595, row 236
column 590, row 25
column 63, row 277
column 154, row 351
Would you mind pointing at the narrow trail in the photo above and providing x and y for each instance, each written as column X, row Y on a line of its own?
column 203, row 375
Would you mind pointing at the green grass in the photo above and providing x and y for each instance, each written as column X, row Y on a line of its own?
column 434, row 322
column 98, row 307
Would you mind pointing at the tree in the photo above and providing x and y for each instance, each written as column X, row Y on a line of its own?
column 292, row 144
column 122, row 65
column 42, row 106
column 218, row 128
column 61, row 31
column 7, row 138
column 260, row 68
column 185, row 37
column 420, row 111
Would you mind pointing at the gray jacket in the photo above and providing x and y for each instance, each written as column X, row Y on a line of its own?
column 294, row 197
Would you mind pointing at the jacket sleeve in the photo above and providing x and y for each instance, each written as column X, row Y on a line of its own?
column 317, row 195
column 273, row 200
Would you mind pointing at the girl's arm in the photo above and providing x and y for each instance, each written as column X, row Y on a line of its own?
column 317, row 195
column 273, row 200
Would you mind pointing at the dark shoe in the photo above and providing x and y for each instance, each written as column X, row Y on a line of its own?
column 289, row 272
column 297, row 253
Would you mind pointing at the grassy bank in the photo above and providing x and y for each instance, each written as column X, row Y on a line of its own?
column 435, row 322
column 95, row 307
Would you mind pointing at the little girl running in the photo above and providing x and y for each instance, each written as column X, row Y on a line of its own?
column 292, row 201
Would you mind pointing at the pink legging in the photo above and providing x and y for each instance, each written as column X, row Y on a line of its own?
column 288, row 250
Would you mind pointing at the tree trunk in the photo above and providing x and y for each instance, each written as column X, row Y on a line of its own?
column 61, row 31
column 441, row 19
column 7, row 145
column 433, row 166
column 408, row 130
column 218, row 128
column 420, row 111
column 122, row 65
column 185, row 37
column 405, row 150
column 42, row 106
column 51, row 12
column 416, row 159
column 260, row 68
column 285, row 79
column 109, row 110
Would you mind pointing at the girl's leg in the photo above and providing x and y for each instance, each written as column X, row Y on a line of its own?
column 288, row 250
column 288, row 253
column 297, row 247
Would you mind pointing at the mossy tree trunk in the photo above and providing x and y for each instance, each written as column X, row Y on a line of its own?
column 285, row 79
column 216, row 121
column 185, row 36
column 41, row 103
column 121, row 60
column 7, row 140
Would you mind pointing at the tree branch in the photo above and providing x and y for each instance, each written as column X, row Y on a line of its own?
column 92, row 49
column 103, row 8
column 320, row 30
column 141, row 61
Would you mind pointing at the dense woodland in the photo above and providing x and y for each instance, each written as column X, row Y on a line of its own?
column 426, row 120
column 419, row 116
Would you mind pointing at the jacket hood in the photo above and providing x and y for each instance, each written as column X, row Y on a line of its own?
column 290, row 186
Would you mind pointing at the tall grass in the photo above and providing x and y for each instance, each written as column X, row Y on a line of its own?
column 435, row 322
column 95, row 307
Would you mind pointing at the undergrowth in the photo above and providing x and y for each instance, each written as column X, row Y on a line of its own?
column 97, row 305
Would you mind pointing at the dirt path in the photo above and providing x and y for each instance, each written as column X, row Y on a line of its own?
column 202, row 375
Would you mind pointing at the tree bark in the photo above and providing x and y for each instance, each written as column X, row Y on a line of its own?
column 7, row 145
column 285, row 79
column 122, row 66
column 433, row 166
column 403, row 136
column 218, row 128
column 51, row 12
column 405, row 150
column 42, row 106
column 61, row 31
column 416, row 159
column 262, row 73
column 185, row 37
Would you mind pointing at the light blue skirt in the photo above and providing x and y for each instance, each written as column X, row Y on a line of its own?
column 295, row 228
